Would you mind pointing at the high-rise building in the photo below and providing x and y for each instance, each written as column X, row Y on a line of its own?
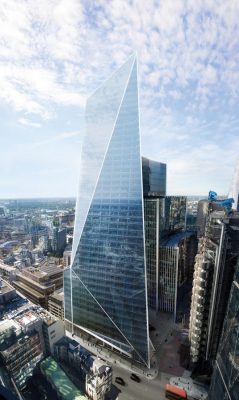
column 58, row 239
column 176, row 260
column 153, row 225
column 214, row 268
column 154, row 178
column 225, row 382
column 234, row 192
column 105, row 289
column 67, row 256
column 175, row 214
column 163, row 216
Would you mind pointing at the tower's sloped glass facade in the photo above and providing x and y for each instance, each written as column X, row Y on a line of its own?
column 101, row 113
column 107, row 295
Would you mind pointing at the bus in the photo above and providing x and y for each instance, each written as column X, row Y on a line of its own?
column 175, row 392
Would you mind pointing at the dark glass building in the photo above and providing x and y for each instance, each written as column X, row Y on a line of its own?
column 175, row 214
column 154, row 178
column 105, row 287
column 153, row 225
column 154, row 188
column 225, row 378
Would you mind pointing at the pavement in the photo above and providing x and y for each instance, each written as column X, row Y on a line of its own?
column 115, row 359
column 165, row 362
column 144, row 390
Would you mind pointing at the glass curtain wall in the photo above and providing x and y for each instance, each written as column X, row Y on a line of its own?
column 108, row 292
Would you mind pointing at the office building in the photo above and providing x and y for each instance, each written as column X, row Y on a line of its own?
column 67, row 256
column 205, row 207
column 214, row 268
column 153, row 225
column 154, row 178
column 175, row 214
column 19, row 351
column 38, row 283
column 154, row 190
column 7, row 292
column 58, row 240
column 53, row 330
column 105, row 289
column 8, row 272
column 234, row 192
column 56, row 304
column 163, row 216
column 176, row 260
column 224, row 381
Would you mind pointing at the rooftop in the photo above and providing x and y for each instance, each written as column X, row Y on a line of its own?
column 175, row 239
column 7, row 267
column 63, row 385
column 27, row 318
column 5, row 287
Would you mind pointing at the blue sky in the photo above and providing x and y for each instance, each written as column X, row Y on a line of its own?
column 54, row 53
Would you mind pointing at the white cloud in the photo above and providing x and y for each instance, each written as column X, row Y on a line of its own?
column 56, row 52
column 57, row 49
column 28, row 122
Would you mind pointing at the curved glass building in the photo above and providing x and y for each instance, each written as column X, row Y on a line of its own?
column 105, row 287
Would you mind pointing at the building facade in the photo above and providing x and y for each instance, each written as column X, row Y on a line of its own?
column 214, row 268
column 176, row 260
column 225, row 382
column 175, row 214
column 56, row 304
column 154, row 178
column 105, row 289
column 38, row 283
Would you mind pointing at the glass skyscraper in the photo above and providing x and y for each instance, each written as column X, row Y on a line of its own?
column 105, row 287
column 225, row 382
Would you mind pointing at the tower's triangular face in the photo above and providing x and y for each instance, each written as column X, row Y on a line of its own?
column 109, row 259
column 101, row 113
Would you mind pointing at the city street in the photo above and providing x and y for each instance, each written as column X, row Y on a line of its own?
column 144, row 390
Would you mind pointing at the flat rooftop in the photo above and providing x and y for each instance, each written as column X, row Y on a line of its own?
column 5, row 287
column 61, row 382
column 7, row 267
column 27, row 318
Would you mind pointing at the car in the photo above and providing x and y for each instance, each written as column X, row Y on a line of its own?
column 151, row 328
column 135, row 378
column 120, row 380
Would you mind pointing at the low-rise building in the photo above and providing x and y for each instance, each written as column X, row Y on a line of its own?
column 8, row 272
column 7, row 292
column 98, row 375
column 38, row 283
column 98, row 380
column 56, row 304
column 19, row 351
column 60, row 382
column 53, row 330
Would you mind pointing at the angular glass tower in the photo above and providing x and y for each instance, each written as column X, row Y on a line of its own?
column 105, row 287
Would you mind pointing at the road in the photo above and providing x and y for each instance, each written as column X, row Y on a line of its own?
column 144, row 390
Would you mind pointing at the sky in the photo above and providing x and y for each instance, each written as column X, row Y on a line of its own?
column 55, row 53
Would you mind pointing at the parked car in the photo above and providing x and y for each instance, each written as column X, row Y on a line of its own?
column 119, row 380
column 135, row 378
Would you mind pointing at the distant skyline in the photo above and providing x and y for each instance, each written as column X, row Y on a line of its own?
column 55, row 53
